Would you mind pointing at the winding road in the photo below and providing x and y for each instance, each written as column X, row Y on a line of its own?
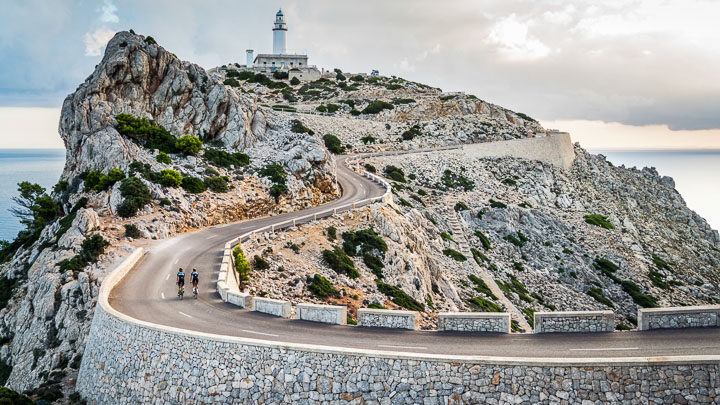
column 148, row 294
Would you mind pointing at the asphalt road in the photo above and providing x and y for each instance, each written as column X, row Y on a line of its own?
column 148, row 293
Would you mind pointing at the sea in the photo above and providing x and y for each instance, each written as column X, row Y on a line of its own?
column 696, row 174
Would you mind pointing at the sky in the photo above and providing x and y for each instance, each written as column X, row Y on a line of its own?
column 621, row 74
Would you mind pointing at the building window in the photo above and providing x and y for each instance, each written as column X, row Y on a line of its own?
column 264, row 63
column 300, row 63
column 273, row 63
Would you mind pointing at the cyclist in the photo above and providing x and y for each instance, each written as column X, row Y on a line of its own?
column 180, row 281
column 194, row 279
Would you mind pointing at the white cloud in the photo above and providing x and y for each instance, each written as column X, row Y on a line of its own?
column 95, row 41
column 108, row 12
column 513, row 40
column 405, row 65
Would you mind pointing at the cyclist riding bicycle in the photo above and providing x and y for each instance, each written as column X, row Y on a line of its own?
column 180, row 280
column 194, row 279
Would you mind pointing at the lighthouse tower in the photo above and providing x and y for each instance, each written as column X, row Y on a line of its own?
column 279, row 34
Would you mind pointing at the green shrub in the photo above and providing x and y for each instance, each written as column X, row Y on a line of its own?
column 633, row 290
column 193, row 185
column 97, row 181
column 452, row 180
column 376, row 107
column 217, row 184
column 274, row 172
column 370, row 168
column 598, row 220
column 461, row 206
column 60, row 186
column 242, row 267
column 189, row 145
column 363, row 241
column 333, row 144
column 529, row 316
column 259, row 263
column 221, row 158
column 8, row 396
column 368, row 139
column 598, row 295
column 90, row 250
column 280, row 75
column 332, row 108
column 170, row 178
column 145, row 132
column 357, row 78
column 497, row 204
column 446, row 236
column 394, row 173
column 660, row 263
column 484, row 240
column 150, row 40
column 231, row 82
column 132, row 231
column 331, row 233
column 337, row 260
column 165, row 202
column 446, row 98
column 135, row 194
column 278, row 189
column 321, row 108
column 518, row 266
column 525, row 117
column 404, row 101
column 298, row 127
column 454, row 254
column 510, row 182
column 7, row 287
column 399, row 297
column 321, row 287
column 375, row 265
column 478, row 256
column 162, row 157
column 351, row 321
column 480, row 304
column 411, row 133
column 373, row 305
column 481, row 286
column 294, row 81
column 517, row 241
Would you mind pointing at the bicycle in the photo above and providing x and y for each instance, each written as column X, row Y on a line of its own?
column 195, row 291
column 181, row 291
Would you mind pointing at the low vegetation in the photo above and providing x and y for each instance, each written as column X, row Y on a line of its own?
column 399, row 297
column 135, row 196
column 454, row 254
column 298, row 127
column 276, row 174
column 452, row 180
column 480, row 304
column 376, row 107
column 598, row 220
column 321, row 287
column 242, row 267
column 333, row 144
column 221, row 158
column 394, row 173
column 90, row 250
column 339, row 261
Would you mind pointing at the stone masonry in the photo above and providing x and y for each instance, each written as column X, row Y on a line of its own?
column 273, row 307
column 126, row 362
column 581, row 321
column 384, row 318
column 474, row 322
column 679, row 317
column 335, row 314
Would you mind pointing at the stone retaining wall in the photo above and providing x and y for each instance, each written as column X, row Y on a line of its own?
column 273, row 307
column 474, row 321
column 128, row 362
column 679, row 317
column 335, row 314
column 579, row 321
column 555, row 149
column 385, row 318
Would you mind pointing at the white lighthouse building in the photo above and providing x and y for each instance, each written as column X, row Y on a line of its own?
column 279, row 34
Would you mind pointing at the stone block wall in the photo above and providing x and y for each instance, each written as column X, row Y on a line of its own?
column 555, row 149
column 579, row 321
column 335, row 314
column 243, row 300
column 703, row 316
column 128, row 362
column 474, row 322
column 272, row 307
column 385, row 318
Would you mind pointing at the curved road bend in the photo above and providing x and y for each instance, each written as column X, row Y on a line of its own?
column 148, row 293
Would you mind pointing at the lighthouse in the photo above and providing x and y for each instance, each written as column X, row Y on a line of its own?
column 279, row 34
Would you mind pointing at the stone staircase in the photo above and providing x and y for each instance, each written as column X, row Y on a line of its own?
column 458, row 234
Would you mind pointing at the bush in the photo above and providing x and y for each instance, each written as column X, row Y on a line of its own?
column 145, row 132
column 7, row 287
column 411, row 133
column 231, row 82
column 274, row 172
column 497, row 204
column 225, row 159
column 525, row 117
column 399, row 297
column 461, row 206
column 484, row 240
column 370, row 168
column 189, row 145
column 357, row 78
column 132, row 231
column 363, row 241
column 509, row 182
column 150, row 40
column 333, row 144
column 97, row 181
column 394, row 173
column 598, row 220
column 242, row 267
column 480, row 304
column 321, row 287
column 598, row 295
column 337, row 260
column 331, row 233
column 280, row 75
column 170, row 178
column 294, row 81
column 660, row 263
column 368, row 139
column 454, row 254
column 633, row 290
column 446, row 236
column 90, row 250
column 259, row 263
column 193, row 185
column 276, row 190
column 135, row 193
column 452, row 180
column 60, row 186
column 8, row 396
column 165, row 202
column 404, row 101
column 217, row 184
column 376, row 107
column 481, row 286
column 162, row 157
column 375, row 265
column 298, row 127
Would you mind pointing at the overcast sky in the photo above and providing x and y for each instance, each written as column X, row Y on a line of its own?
column 640, row 63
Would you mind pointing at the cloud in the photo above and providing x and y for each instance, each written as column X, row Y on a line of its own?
column 95, row 41
column 108, row 12
column 512, row 39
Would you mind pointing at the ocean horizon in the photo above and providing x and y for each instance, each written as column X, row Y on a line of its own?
column 688, row 167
